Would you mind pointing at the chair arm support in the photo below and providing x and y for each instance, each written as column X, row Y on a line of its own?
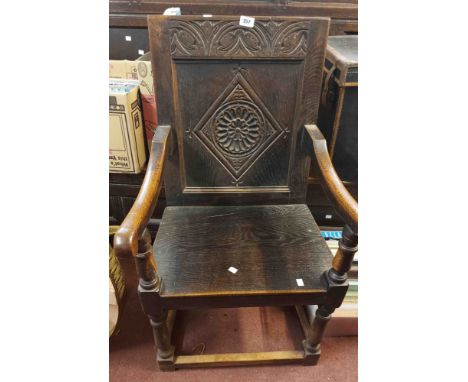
column 134, row 224
column 336, row 191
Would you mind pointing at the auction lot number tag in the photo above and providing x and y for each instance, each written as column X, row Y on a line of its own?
column 247, row 21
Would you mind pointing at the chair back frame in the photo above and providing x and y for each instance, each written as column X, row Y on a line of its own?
column 237, row 99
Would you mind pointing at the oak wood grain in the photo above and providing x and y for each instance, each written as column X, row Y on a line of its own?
column 237, row 232
column 239, row 359
column 237, row 99
column 344, row 202
column 335, row 9
column 131, row 229
column 270, row 246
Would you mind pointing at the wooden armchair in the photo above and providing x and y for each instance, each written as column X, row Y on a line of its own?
column 237, row 108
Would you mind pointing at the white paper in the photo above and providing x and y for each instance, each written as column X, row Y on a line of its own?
column 328, row 216
column 300, row 282
column 175, row 11
column 128, row 38
column 232, row 270
column 207, row 15
column 141, row 51
column 247, row 21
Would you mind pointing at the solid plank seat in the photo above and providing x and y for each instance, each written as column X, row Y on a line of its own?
column 271, row 247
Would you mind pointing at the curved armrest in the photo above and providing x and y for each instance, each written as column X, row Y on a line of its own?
column 340, row 196
column 130, row 231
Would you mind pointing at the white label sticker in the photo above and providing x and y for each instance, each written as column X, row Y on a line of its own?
column 175, row 11
column 232, row 270
column 300, row 282
column 328, row 216
column 141, row 51
column 207, row 15
column 247, row 21
column 128, row 38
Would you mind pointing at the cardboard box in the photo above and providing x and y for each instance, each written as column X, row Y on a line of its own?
column 126, row 138
column 140, row 70
column 145, row 74
column 123, row 69
column 148, row 100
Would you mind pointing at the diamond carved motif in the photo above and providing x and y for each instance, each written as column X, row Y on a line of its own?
column 238, row 128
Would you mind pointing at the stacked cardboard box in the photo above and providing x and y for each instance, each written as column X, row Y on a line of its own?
column 123, row 69
column 148, row 100
column 140, row 70
column 126, row 138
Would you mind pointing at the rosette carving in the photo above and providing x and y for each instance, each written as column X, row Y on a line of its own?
column 237, row 127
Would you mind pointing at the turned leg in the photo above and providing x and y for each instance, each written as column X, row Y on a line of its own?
column 148, row 290
column 319, row 322
column 335, row 279
column 162, row 339
column 343, row 259
column 145, row 265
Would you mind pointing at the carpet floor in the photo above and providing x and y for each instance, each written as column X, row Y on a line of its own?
column 132, row 356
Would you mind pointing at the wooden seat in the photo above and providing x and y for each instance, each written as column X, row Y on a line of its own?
column 237, row 108
column 271, row 247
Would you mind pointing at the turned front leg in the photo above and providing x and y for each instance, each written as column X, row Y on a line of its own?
column 149, row 287
column 161, row 335
column 335, row 279
column 317, row 329
column 145, row 264
column 343, row 259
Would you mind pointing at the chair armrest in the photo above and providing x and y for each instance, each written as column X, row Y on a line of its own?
column 336, row 191
column 131, row 229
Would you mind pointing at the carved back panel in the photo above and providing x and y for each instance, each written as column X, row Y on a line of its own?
column 237, row 98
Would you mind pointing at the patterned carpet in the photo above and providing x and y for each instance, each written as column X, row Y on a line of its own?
column 132, row 358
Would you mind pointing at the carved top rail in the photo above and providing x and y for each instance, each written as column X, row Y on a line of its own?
column 211, row 37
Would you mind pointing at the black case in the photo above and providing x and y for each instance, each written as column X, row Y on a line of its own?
column 338, row 114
